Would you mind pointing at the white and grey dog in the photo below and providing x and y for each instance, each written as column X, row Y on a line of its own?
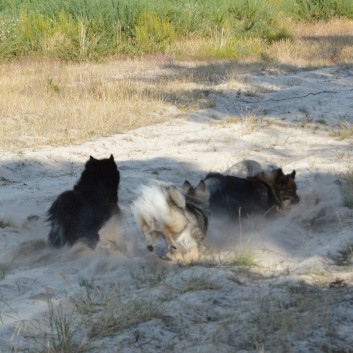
column 178, row 215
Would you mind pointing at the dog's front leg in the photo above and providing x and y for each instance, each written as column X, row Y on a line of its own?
column 172, row 246
column 146, row 232
column 149, row 241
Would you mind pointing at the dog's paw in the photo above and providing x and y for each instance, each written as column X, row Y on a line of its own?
column 171, row 253
column 150, row 247
column 167, row 257
column 172, row 249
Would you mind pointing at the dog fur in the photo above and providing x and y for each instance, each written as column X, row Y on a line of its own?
column 283, row 186
column 260, row 193
column 180, row 216
column 81, row 212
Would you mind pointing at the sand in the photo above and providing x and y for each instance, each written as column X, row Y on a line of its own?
column 293, row 290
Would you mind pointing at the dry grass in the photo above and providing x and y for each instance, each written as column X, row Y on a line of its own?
column 48, row 102
column 318, row 44
column 288, row 311
column 344, row 132
column 53, row 103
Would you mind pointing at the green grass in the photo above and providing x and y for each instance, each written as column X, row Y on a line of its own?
column 93, row 29
column 198, row 283
column 2, row 273
column 345, row 255
column 242, row 257
column 347, row 187
column 345, row 133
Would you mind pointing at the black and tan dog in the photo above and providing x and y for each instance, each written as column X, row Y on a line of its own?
column 262, row 192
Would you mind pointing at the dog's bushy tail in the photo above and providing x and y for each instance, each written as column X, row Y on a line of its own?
column 61, row 216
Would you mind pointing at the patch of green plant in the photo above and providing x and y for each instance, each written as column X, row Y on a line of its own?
column 2, row 273
column 242, row 257
column 347, row 188
column 322, row 121
column 152, row 33
column 315, row 10
column 345, row 255
column 279, row 34
column 343, row 134
column 91, row 29
column 84, row 29
column 63, row 330
column 4, row 224
column 348, row 202
column 197, row 283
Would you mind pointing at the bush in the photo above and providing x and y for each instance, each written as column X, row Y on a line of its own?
column 91, row 29
column 153, row 34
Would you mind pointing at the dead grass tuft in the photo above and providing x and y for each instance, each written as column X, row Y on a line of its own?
column 123, row 316
column 315, row 45
column 288, row 311
column 344, row 132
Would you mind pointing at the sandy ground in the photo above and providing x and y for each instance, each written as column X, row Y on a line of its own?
column 296, row 293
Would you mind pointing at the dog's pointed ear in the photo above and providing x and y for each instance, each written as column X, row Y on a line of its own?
column 92, row 158
column 278, row 173
column 111, row 157
column 201, row 186
column 177, row 197
column 186, row 186
column 292, row 175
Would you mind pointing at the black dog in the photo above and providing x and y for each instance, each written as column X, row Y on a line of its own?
column 81, row 212
column 233, row 196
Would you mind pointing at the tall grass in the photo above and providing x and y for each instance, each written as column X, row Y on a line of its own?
column 92, row 29
column 315, row 10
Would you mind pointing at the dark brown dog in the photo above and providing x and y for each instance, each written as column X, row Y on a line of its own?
column 262, row 193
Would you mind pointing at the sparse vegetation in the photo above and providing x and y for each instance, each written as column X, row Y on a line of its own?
column 123, row 315
column 250, row 123
column 4, row 224
column 280, row 314
column 345, row 131
column 198, row 283
column 345, row 255
column 58, row 333
column 2, row 273
column 242, row 257
column 347, row 187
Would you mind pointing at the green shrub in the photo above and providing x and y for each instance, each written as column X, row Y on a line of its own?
column 153, row 33
column 314, row 10
column 83, row 29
